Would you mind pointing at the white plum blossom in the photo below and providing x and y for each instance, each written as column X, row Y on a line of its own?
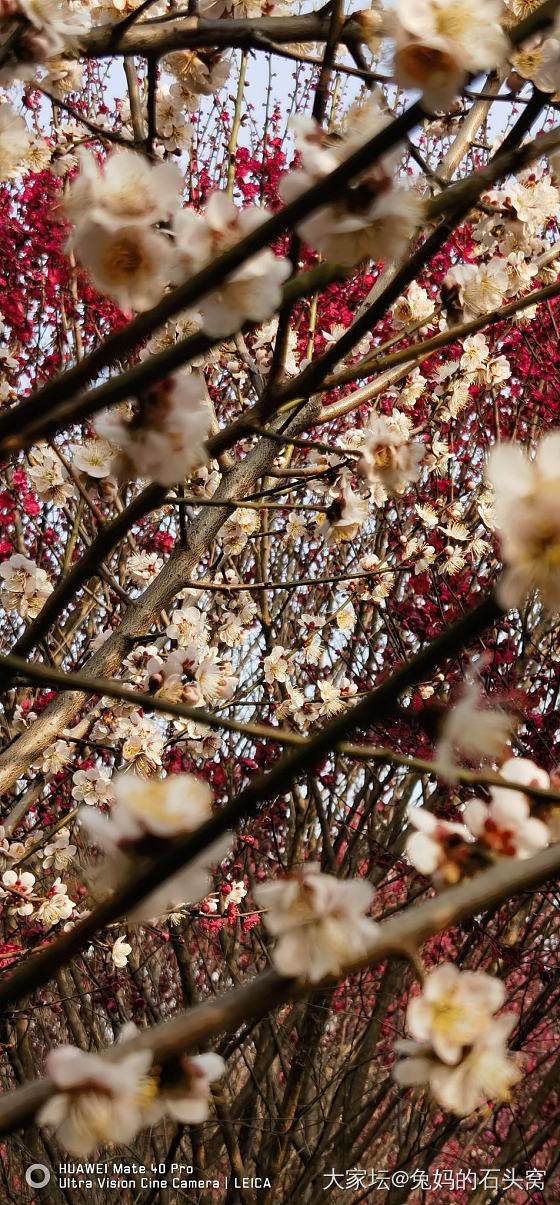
column 486, row 1072
column 142, row 743
column 165, row 438
column 438, row 42
column 92, row 787
column 524, row 771
column 481, row 287
column 174, row 130
column 379, row 230
column 539, row 61
column 521, row 273
column 474, row 353
column 127, row 189
column 25, row 587
column 183, row 1085
column 522, row 8
column 412, row 307
column 331, row 700
column 276, row 667
column 214, row 677
column 114, row 210
column 505, row 825
column 375, row 218
column 527, row 516
column 196, row 75
column 49, row 478
column 486, row 290
column 345, row 516
column 319, row 922
column 439, row 848
column 459, row 1046
column 237, row 893
column 63, row 75
column 292, row 705
column 346, row 618
column 190, row 1102
column 56, row 757
column 534, row 198
column 453, row 1010
column 312, row 649
column 97, row 1101
column 497, row 371
column 146, row 816
column 57, row 906
column 333, row 696
column 200, row 739
column 131, row 264
column 9, row 850
column 238, row 529
column 94, row 457
column 231, row 631
column 188, row 626
column 15, row 888
column 24, row 717
column 296, row 526
column 47, row 28
column 185, row 1095
column 120, row 951
column 254, row 290
column 413, row 388
column 388, row 455
column 59, row 853
column 14, row 142
column 164, row 677
column 141, row 567
column 475, row 731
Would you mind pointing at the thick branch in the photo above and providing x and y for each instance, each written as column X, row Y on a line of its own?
column 158, row 37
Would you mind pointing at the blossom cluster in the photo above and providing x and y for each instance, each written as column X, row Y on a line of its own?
column 503, row 828
column 458, row 1046
column 163, row 439
column 23, row 895
column 527, row 516
column 134, row 239
column 37, row 30
column 25, row 586
column 439, row 42
column 144, row 818
column 376, row 216
column 319, row 922
column 19, row 893
column 99, row 1101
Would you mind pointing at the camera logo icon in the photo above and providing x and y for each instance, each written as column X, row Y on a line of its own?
column 37, row 1175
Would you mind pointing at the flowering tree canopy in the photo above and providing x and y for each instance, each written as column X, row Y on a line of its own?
column 279, row 586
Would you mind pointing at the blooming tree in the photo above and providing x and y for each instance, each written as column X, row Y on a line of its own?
column 280, row 573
